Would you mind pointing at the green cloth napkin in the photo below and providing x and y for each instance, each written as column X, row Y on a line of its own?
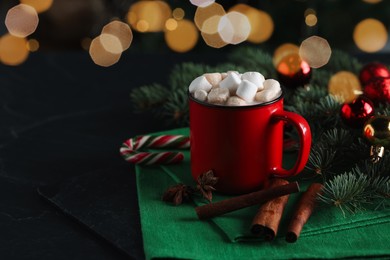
column 175, row 232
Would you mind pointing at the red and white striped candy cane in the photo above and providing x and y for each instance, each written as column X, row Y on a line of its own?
column 130, row 149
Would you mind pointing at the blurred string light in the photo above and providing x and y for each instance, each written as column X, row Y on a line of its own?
column 178, row 13
column 345, row 86
column 32, row 45
column 283, row 51
column 372, row 1
column 202, row 3
column 183, row 38
column 21, row 20
column 287, row 60
column 234, row 27
column 100, row 55
column 106, row 49
column 210, row 32
column 315, row 51
column 121, row 31
column 310, row 17
column 370, row 35
column 39, row 5
column 171, row 24
column 262, row 25
column 148, row 16
column 204, row 13
column 311, row 20
column 13, row 50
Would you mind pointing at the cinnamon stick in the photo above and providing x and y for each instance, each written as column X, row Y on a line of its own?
column 303, row 211
column 224, row 206
column 267, row 219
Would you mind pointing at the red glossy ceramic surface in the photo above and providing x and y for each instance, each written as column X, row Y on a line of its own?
column 243, row 145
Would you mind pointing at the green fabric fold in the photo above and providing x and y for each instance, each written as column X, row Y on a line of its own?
column 175, row 232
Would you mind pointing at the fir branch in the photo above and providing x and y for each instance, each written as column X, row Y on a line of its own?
column 149, row 96
column 321, row 161
column 183, row 74
column 343, row 61
column 347, row 191
column 320, row 77
column 176, row 109
column 254, row 59
column 329, row 109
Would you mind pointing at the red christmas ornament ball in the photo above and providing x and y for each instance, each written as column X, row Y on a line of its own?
column 292, row 71
column 356, row 113
column 373, row 70
column 378, row 90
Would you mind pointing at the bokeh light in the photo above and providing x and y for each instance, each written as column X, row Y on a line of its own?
column 204, row 13
column 234, row 27
column 32, row 45
column 210, row 32
column 202, row 3
column 372, row 1
column 21, row 20
column 183, row 38
column 111, row 43
column 178, row 13
column 262, row 25
column 291, row 64
column 121, row 31
column 148, row 16
column 315, row 51
column 311, row 20
column 13, row 50
column 370, row 35
column 213, row 40
column 309, row 11
column 345, row 86
column 39, row 5
column 171, row 24
column 284, row 50
column 210, row 26
column 100, row 55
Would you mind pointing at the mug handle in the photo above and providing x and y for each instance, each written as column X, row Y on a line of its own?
column 304, row 139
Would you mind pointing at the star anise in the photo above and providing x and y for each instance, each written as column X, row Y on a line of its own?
column 177, row 193
column 206, row 181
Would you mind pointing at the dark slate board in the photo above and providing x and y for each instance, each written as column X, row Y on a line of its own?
column 105, row 202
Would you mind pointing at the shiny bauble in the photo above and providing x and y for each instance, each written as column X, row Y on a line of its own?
column 373, row 70
column 377, row 132
column 378, row 90
column 356, row 113
column 293, row 71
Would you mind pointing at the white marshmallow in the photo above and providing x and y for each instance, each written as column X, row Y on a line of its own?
column 268, row 95
column 200, row 95
column 224, row 75
column 231, row 82
column 218, row 96
column 254, row 77
column 247, row 91
column 271, row 84
column 235, row 101
column 213, row 78
column 200, row 83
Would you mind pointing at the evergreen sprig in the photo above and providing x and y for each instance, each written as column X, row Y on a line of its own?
column 339, row 154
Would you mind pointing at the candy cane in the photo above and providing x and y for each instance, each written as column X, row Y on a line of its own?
column 130, row 149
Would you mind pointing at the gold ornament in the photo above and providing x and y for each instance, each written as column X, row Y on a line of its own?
column 377, row 131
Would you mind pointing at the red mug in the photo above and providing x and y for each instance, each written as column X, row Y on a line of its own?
column 243, row 145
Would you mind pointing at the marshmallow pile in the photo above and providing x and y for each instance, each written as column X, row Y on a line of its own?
column 234, row 89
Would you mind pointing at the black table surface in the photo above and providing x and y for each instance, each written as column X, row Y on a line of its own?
column 62, row 117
